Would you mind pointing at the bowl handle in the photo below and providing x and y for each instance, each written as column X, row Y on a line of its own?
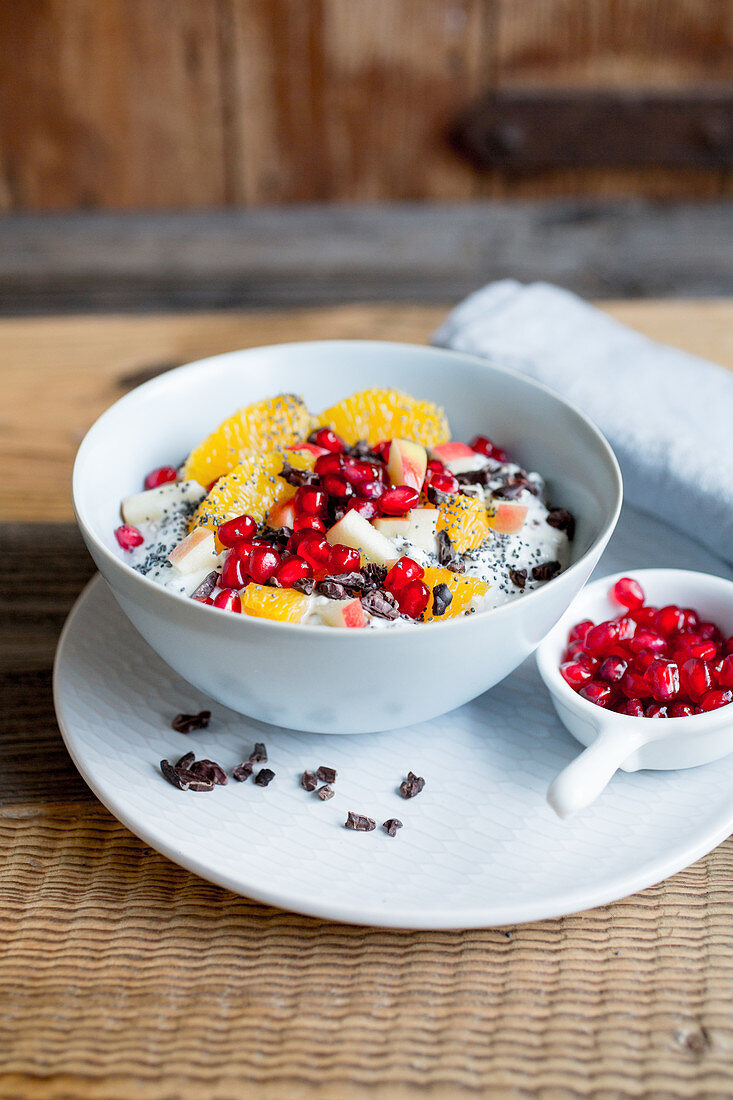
column 581, row 782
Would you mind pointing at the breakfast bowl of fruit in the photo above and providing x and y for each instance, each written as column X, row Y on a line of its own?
column 344, row 536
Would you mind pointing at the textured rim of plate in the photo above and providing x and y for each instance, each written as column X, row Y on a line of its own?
column 438, row 919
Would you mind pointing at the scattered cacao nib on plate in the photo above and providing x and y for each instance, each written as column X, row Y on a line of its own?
column 326, row 775
column 447, row 556
column 305, row 585
column 187, row 723
column 209, row 770
column 392, row 825
column 183, row 779
column 186, row 760
column 562, row 520
column 442, row 599
column 518, row 577
column 207, row 586
column 296, row 477
column 308, row 781
column 324, row 793
column 264, row 777
column 243, row 771
column 381, row 604
column 412, row 785
column 546, row 571
column 359, row 822
column 258, row 754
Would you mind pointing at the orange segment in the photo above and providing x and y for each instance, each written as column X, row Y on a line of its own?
column 252, row 487
column 465, row 521
column 464, row 590
column 276, row 421
column 284, row 604
column 376, row 414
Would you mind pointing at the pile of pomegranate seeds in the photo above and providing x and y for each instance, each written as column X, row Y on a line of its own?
column 650, row 662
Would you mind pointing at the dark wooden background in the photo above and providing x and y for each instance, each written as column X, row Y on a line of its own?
column 170, row 104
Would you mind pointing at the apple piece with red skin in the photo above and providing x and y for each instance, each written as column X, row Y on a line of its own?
column 456, row 457
column 311, row 448
column 348, row 613
column 282, row 514
column 355, row 531
column 507, row 517
column 407, row 464
column 195, row 552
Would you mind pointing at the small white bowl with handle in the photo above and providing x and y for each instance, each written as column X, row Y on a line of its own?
column 618, row 740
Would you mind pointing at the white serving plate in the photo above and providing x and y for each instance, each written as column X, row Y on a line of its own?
column 480, row 846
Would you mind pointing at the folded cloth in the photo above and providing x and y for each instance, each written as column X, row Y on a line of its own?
column 668, row 415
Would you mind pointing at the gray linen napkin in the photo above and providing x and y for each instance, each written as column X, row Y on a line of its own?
column 668, row 415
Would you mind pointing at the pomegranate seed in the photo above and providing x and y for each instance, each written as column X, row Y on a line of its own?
column 233, row 575
column 643, row 659
column 397, row 501
column 719, row 697
column 128, row 537
column 358, row 472
column 327, row 439
column 369, row 509
column 382, row 449
column 263, row 563
column 612, row 669
column 647, row 639
column 370, row 490
column 681, row 710
column 728, row 645
column 695, row 677
column 633, row 707
column 161, row 476
column 628, row 593
column 329, row 464
column 579, row 631
column 656, row 710
column 576, row 673
column 311, row 500
column 626, row 627
column 705, row 651
column 663, row 678
column 435, row 466
column 412, row 598
column 691, row 618
column 228, row 600
column 670, row 620
column 315, row 550
column 443, row 481
column 210, row 486
column 601, row 639
column 709, row 632
column 597, row 692
column 337, row 487
column 292, row 570
column 244, row 549
column 343, row 559
column 644, row 616
column 309, row 523
column 633, row 684
column 234, row 530
column 725, row 673
column 404, row 570
column 483, row 446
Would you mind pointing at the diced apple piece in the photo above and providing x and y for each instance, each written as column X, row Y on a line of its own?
column 311, row 448
column 281, row 514
column 343, row 613
column 152, row 504
column 408, row 463
column 355, row 531
column 457, row 457
column 508, row 518
column 423, row 527
column 393, row 527
column 195, row 552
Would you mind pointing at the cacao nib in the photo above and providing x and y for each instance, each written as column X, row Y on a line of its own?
column 324, row 793
column 412, row 785
column 187, row 723
column 207, row 586
column 305, row 585
column 209, row 770
column 562, row 520
column 518, row 577
column 172, row 775
column 184, row 779
column 361, row 449
column 277, row 537
column 354, row 583
column 514, row 487
column 381, row 604
column 264, row 777
column 242, row 772
column 359, row 822
column 374, row 576
column 258, row 754
column 326, row 775
column 332, row 589
column 442, row 599
column 392, row 825
column 186, row 760
column 296, row 477
column 308, row 781
column 546, row 571
column 476, row 477
column 447, row 555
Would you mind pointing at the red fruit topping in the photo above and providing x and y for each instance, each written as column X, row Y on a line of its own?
column 643, row 659
column 161, row 476
column 329, row 464
column 576, row 673
column 228, row 600
column 695, row 677
column 370, row 490
column 327, row 439
column 443, row 481
column 656, row 710
column 663, row 678
column 309, row 523
column 644, row 616
column 343, row 559
column 369, row 509
column 626, row 627
column 435, row 465
column 315, row 550
column 483, row 446
column 601, row 639
column 632, row 707
column 292, row 570
column 628, row 593
column 692, row 646
column 413, row 598
column 597, row 692
column 234, row 530
column 234, row 574
column 709, row 632
column 725, row 673
column 210, row 486
column 382, row 449
column 719, row 697
column 357, row 472
column 633, row 684
column 690, row 617
column 612, row 669
column 263, row 563
column 647, row 639
column 681, row 710
column 311, row 500
column 128, row 537
column 579, row 631
column 404, row 570
column 728, row 645
column 670, row 620
column 244, row 549
column 337, row 486
column 397, row 501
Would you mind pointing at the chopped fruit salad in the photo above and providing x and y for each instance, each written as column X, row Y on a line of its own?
column 364, row 516
column 650, row 662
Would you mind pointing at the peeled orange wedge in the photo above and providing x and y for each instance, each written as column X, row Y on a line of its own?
column 283, row 604
column 464, row 590
column 377, row 414
column 253, row 487
column 465, row 521
column 274, row 422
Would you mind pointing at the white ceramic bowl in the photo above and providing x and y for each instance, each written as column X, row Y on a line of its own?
column 329, row 679
column 619, row 740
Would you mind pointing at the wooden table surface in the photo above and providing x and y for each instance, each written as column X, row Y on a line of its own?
column 122, row 975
